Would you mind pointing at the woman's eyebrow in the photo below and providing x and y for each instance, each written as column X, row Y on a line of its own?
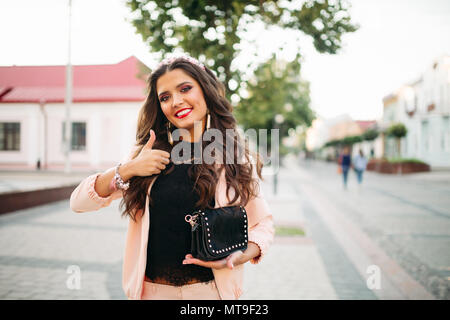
column 179, row 85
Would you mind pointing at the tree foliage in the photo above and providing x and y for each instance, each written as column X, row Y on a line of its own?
column 397, row 130
column 277, row 98
column 212, row 30
column 346, row 141
column 370, row 134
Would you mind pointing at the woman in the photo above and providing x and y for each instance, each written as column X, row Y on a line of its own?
column 186, row 96
column 360, row 165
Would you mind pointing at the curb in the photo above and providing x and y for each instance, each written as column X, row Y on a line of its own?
column 13, row 201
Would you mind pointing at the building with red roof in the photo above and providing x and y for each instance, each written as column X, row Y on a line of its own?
column 106, row 101
column 91, row 83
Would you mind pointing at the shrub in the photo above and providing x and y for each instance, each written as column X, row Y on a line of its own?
column 406, row 160
column 370, row 134
column 397, row 130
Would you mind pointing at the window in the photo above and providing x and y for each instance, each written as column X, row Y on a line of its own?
column 78, row 135
column 10, row 136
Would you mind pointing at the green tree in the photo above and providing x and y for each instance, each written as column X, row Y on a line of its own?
column 211, row 30
column 351, row 140
column 370, row 134
column 276, row 92
column 397, row 131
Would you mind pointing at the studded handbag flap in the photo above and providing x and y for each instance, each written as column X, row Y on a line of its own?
column 218, row 232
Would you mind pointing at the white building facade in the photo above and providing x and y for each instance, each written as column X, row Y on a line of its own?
column 102, row 133
column 424, row 108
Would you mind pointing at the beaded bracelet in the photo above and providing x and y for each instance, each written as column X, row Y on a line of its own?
column 118, row 180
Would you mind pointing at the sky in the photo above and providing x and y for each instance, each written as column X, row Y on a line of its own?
column 396, row 42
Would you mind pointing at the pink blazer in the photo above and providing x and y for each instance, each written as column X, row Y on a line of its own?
column 229, row 282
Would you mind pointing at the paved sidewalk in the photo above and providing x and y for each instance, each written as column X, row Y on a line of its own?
column 293, row 268
column 315, row 267
column 16, row 181
column 41, row 244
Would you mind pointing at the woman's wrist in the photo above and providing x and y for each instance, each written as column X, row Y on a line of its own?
column 251, row 252
column 126, row 170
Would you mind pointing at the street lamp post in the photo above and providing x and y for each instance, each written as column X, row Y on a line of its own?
column 44, row 145
column 68, row 100
column 279, row 119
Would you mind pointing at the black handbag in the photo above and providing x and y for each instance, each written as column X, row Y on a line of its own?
column 218, row 232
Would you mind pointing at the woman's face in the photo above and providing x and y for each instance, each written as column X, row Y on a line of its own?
column 182, row 102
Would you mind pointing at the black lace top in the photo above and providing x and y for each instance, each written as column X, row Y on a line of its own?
column 170, row 235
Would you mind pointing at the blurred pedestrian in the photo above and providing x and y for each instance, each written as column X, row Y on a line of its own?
column 183, row 94
column 345, row 162
column 359, row 165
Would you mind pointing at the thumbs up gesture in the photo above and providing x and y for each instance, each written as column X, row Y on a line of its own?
column 151, row 140
column 150, row 161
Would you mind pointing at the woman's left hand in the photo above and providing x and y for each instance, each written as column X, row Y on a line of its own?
column 234, row 259
column 228, row 262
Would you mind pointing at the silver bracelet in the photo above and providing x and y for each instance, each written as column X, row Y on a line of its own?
column 119, row 181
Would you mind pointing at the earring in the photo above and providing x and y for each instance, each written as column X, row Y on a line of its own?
column 208, row 121
column 169, row 134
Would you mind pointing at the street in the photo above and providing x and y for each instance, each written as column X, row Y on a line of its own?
column 388, row 239
column 398, row 222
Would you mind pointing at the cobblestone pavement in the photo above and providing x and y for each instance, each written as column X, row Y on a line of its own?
column 39, row 246
column 345, row 233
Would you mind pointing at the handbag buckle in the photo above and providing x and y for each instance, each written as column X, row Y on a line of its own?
column 192, row 220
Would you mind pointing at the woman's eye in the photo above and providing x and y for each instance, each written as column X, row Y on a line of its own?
column 184, row 89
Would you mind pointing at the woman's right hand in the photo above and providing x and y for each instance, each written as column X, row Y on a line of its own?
column 149, row 161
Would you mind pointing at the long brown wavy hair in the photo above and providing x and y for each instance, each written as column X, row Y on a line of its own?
column 238, row 176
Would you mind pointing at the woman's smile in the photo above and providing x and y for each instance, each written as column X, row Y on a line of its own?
column 183, row 113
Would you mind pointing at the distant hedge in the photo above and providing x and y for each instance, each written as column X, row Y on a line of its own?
column 405, row 160
column 369, row 135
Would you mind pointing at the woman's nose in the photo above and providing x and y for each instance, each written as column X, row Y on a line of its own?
column 177, row 99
